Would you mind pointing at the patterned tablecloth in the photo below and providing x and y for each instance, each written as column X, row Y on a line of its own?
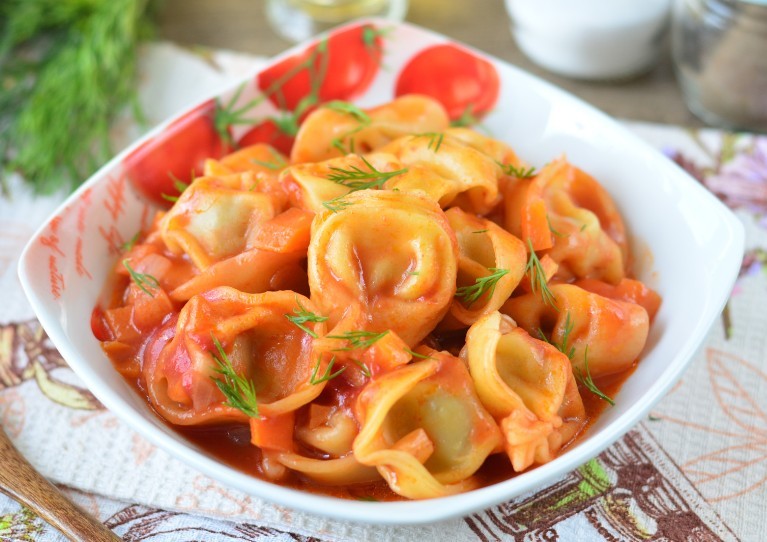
column 695, row 469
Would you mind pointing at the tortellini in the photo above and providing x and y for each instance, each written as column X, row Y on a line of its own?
column 182, row 364
column 424, row 428
column 387, row 260
column 528, row 386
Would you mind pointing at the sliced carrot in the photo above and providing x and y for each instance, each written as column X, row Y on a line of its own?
column 273, row 432
column 287, row 232
column 526, row 213
column 630, row 290
column 120, row 322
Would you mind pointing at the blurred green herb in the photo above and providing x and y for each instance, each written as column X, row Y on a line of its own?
column 67, row 68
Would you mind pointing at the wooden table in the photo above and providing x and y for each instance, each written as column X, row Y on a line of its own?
column 241, row 25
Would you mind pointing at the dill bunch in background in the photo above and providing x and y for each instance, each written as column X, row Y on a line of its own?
column 67, row 68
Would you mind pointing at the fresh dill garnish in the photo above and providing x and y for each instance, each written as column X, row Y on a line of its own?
column 302, row 316
column 583, row 226
column 519, row 172
column 336, row 143
column 142, row 280
column 348, row 108
column 588, row 382
column 482, row 285
column 537, row 275
column 551, row 228
column 277, row 165
column 240, row 392
column 178, row 184
column 129, row 244
column 435, row 140
column 363, row 367
column 361, row 116
column 358, row 338
column 563, row 347
column 356, row 178
column 652, row 418
column 367, row 499
column 417, row 355
column 480, row 231
column 328, row 375
column 414, row 273
column 336, row 204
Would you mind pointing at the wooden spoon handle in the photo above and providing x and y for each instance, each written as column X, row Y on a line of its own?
column 20, row 481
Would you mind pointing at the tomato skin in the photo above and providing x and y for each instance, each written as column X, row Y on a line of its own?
column 267, row 132
column 353, row 58
column 179, row 150
column 455, row 77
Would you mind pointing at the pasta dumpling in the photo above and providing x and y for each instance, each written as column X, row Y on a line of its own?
column 182, row 363
column 424, row 429
column 527, row 385
column 387, row 260
column 588, row 324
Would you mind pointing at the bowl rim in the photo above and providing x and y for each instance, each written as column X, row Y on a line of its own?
column 399, row 512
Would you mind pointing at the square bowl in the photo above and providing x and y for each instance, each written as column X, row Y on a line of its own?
column 688, row 247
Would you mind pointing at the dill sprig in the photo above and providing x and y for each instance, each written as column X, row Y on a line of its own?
column 356, row 178
column 563, row 347
column 336, row 204
column 142, row 280
column 277, row 165
column 359, row 339
column 240, row 392
column 363, row 367
column 361, row 116
column 417, row 355
column 519, row 172
column 179, row 185
column 68, row 68
column 585, row 379
column 328, row 375
column 551, row 228
column 435, row 139
column 130, row 243
column 482, row 285
column 302, row 316
column 537, row 275
column 340, row 106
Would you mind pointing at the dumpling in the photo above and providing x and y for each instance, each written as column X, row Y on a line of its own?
column 386, row 260
column 424, row 429
column 212, row 219
column 316, row 187
column 484, row 249
column 328, row 133
column 563, row 209
column 448, row 169
column 527, row 385
column 261, row 344
column 614, row 331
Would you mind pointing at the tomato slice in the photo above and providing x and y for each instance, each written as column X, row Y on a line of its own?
column 460, row 80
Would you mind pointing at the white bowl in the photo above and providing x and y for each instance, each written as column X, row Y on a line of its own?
column 688, row 246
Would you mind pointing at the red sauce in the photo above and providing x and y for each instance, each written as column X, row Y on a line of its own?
column 230, row 443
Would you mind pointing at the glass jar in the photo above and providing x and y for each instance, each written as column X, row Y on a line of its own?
column 720, row 57
column 298, row 20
